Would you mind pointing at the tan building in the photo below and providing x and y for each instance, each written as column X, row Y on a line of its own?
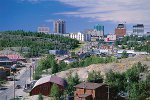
column 91, row 91
column 45, row 30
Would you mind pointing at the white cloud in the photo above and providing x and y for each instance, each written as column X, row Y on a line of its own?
column 130, row 11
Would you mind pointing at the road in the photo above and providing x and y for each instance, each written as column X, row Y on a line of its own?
column 24, row 77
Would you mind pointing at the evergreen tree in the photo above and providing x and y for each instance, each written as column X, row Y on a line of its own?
column 95, row 77
column 72, row 81
column 40, row 97
column 55, row 93
column 124, row 54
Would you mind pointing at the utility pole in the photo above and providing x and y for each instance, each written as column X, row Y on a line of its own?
column 30, row 73
column 128, row 88
column 33, row 66
column 108, row 92
column 6, row 97
column 13, row 69
column 14, row 85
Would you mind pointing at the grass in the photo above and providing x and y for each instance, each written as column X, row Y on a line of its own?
column 77, row 49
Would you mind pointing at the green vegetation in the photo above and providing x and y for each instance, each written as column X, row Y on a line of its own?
column 90, row 60
column 135, row 81
column 72, row 81
column 40, row 97
column 79, row 47
column 95, row 77
column 46, row 63
column 55, row 92
column 37, row 43
column 124, row 54
column 50, row 62
column 135, row 42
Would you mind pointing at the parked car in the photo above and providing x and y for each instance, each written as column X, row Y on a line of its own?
column 20, row 65
column 18, row 87
column 10, row 78
column 3, row 88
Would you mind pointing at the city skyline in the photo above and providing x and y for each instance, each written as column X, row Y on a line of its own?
column 78, row 14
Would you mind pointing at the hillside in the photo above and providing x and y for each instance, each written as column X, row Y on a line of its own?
column 121, row 66
column 38, row 43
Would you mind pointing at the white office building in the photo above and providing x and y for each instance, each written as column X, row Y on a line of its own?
column 80, row 36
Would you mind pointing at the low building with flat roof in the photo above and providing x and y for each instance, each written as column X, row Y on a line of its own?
column 91, row 91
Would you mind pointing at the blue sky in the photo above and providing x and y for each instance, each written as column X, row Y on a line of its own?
column 78, row 14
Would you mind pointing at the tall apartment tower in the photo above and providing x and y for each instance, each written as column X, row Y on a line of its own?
column 138, row 29
column 60, row 26
column 120, row 31
column 100, row 29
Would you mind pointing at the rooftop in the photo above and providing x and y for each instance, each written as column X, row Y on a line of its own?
column 52, row 79
column 139, row 25
column 121, row 26
column 84, row 95
column 89, row 85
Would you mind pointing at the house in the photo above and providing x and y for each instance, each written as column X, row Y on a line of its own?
column 14, row 57
column 69, row 60
column 91, row 91
column 43, row 85
column 5, row 62
column 58, row 52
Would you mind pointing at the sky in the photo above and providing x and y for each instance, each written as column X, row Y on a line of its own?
column 79, row 14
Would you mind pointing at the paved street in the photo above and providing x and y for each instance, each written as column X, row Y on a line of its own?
column 24, row 77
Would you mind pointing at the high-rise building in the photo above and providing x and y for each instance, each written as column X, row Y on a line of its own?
column 100, row 29
column 43, row 29
column 120, row 31
column 138, row 29
column 60, row 26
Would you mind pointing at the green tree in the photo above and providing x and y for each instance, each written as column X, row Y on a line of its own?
column 40, row 97
column 54, row 68
column 95, row 77
column 124, row 54
column 38, row 43
column 55, row 92
column 72, row 81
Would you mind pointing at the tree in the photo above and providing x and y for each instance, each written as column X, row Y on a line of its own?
column 40, row 97
column 54, row 67
column 95, row 77
column 38, row 43
column 72, row 81
column 124, row 54
column 55, row 92
column 117, row 81
column 130, row 82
